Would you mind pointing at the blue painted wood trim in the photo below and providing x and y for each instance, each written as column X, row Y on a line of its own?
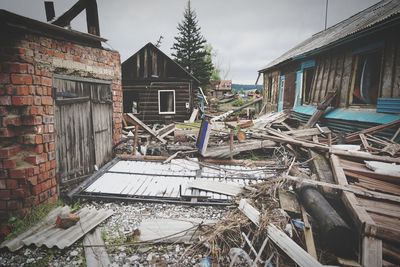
column 369, row 47
column 307, row 64
column 351, row 114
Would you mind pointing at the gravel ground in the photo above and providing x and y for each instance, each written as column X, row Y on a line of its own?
column 116, row 231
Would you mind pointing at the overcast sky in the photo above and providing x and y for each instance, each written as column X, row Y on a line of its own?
column 246, row 35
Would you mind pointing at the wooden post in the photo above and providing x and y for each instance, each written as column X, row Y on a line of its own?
column 135, row 144
column 231, row 144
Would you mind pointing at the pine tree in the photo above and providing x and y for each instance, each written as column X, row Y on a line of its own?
column 189, row 47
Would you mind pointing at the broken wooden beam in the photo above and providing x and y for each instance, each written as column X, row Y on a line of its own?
column 355, row 135
column 284, row 242
column 225, row 151
column 371, row 247
column 320, row 109
column 129, row 117
column 70, row 14
column 347, row 188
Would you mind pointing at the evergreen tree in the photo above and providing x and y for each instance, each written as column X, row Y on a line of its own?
column 189, row 48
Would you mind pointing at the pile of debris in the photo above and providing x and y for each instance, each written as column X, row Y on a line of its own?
column 346, row 187
column 297, row 194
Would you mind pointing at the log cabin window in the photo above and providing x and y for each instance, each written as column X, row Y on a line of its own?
column 166, row 102
column 366, row 79
column 308, row 75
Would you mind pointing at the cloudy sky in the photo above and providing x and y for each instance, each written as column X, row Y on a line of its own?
column 246, row 35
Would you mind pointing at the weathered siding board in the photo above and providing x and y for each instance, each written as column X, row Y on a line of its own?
column 318, row 82
column 331, row 77
column 396, row 83
column 346, row 79
column 388, row 69
column 324, row 84
column 338, row 74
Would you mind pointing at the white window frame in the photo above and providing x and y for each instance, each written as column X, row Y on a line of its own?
column 159, row 106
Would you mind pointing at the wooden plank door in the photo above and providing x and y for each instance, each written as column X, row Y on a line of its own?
column 83, row 114
column 74, row 143
column 102, row 122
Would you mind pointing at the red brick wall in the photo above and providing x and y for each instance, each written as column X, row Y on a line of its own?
column 27, row 134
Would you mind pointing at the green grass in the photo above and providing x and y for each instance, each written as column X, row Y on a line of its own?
column 20, row 225
column 238, row 102
column 194, row 125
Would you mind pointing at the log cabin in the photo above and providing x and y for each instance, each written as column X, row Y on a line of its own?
column 358, row 59
column 156, row 88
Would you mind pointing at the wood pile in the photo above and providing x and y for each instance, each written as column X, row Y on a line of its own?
column 348, row 192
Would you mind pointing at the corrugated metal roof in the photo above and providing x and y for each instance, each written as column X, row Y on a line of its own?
column 47, row 234
column 363, row 20
column 154, row 180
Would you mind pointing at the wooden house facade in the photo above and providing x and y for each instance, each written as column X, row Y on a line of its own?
column 157, row 89
column 358, row 59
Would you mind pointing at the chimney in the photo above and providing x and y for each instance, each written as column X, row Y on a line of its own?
column 49, row 7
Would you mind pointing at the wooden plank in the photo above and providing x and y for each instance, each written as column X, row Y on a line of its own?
column 307, row 132
column 359, row 168
column 348, row 188
column 193, row 116
column 308, row 234
column 284, row 242
column 354, row 136
column 321, row 167
column 165, row 130
column 361, row 218
column 371, row 252
column 132, row 119
column 388, row 68
column 70, row 14
column 218, row 187
column 224, row 151
column 320, row 109
column 364, row 155
column 346, row 77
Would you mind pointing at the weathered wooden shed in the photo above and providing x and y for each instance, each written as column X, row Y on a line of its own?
column 156, row 88
column 60, row 109
column 358, row 58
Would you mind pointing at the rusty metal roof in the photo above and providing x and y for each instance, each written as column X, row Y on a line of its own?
column 371, row 17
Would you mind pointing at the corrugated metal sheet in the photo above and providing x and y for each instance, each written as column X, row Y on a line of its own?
column 154, row 180
column 354, row 115
column 344, row 126
column 388, row 105
column 47, row 234
column 16, row 243
column 365, row 19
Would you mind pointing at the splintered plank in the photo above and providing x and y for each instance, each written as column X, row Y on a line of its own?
column 294, row 251
column 132, row 119
column 371, row 249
